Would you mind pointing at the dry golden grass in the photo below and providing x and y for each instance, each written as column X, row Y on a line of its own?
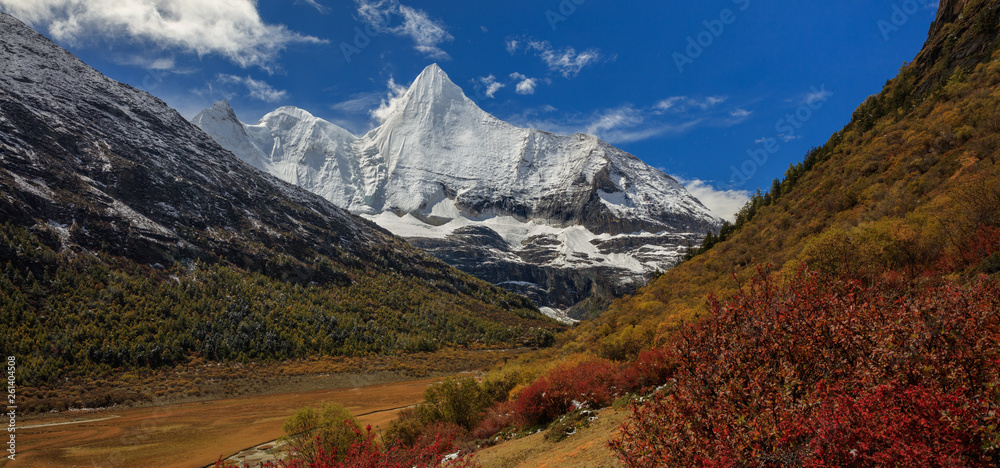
column 194, row 434
column 587, row 448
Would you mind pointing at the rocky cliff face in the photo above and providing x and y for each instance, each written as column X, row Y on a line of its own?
column 948, row 12
column 965, row 33
column 559, row 217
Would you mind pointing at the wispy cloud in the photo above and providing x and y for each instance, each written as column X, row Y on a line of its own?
column 255, row 88
column 513, row 45
column 629, row 123
column 315, row 4
column 615, row 119
column 148, row 63
column 623, row 124
column 682, row 104
column 566, row 61
column 812, row 96
column 427, row 34
column 361, row 103
column 232, row 28
column 724, row 203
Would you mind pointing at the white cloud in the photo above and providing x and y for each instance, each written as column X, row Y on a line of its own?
column 615, row 119
column 314, row 4
column 724, row 203
column 389, row 104
column 230, row 28
column 567, row 62
column 491, row 85
column 512, row 46
column 623, row 124
column 812, row 96
column 426, row 33
column 670, row 103
column 361, row 103
column 148, row 63
column 255, row 88
column 629, row 123
column 684, row 103
column 712, row 101
column 525, row 85
column 651, row 130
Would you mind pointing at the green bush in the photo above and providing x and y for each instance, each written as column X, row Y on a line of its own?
column 330, row 428
column 460, row 402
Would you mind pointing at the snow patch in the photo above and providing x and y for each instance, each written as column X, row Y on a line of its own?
column 36, row 187
column 558, row 315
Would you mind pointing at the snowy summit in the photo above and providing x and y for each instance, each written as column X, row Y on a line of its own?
column 443, row 171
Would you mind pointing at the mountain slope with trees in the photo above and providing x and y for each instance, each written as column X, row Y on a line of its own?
column 130, row 240
column 847, row 318
column 909, row 185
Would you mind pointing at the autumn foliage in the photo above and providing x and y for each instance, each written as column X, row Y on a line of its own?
column 828, row 372
column 366, row 452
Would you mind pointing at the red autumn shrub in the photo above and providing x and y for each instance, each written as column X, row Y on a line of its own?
column 439, row 436
column 985, row 244
column 367, row 453
column 890, row 425
column 537, row 404
column 595, row 383
column 650, row 369
column 753, row 369
column 499, row 417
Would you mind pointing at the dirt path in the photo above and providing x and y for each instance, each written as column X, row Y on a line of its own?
column 194, row 434
column 66, row 423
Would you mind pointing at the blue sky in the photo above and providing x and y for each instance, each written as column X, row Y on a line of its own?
column 723, row 94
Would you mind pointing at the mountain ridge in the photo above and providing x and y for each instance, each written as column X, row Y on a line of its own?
column 440, row 171
column 131, row 239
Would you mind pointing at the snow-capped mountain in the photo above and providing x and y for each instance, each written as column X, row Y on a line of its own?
column 91, row 165
column 523, row 208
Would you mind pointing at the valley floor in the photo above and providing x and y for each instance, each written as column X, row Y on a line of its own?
column 193, row 434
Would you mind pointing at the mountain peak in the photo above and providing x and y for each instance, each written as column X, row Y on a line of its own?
column 432, row 73
column 433, row 87
column 223, row 108
column 221, row 113
column 293, row 112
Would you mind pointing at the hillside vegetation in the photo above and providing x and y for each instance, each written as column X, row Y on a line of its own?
column 72, row 316
column 910, row 185
column 849, row 317
column 130, row 242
